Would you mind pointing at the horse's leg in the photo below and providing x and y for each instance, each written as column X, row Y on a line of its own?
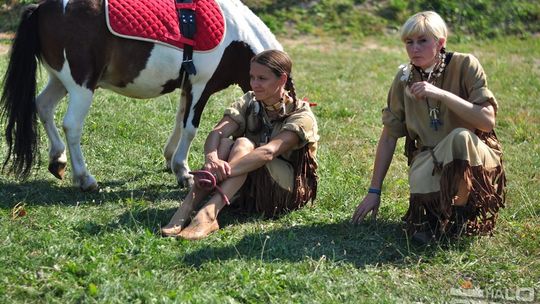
column 80, row 99
column 172, row 142
column 188, row 129
column 46, row 103
column 233, row 68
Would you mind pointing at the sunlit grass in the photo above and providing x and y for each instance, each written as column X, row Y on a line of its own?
column 104, row 247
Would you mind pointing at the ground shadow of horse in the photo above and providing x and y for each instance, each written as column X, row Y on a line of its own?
column 43, row 192
column 374, row 243
column 140, row 210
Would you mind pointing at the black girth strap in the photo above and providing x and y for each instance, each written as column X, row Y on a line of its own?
column 186, row 16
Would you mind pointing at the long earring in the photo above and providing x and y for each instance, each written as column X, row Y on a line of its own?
column 442, row 53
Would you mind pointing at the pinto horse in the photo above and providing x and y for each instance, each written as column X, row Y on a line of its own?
column 80, row 54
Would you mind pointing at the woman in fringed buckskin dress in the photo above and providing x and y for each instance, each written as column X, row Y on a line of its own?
column 441, row 104
column 269, row 163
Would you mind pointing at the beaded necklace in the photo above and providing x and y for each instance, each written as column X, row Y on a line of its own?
column 274, row 112
column 280, row 105
column 431, row 77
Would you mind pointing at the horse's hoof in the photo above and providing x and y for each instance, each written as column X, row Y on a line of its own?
column 91, row 188
column 58, row 169
column 88, row 184
column 185, row 181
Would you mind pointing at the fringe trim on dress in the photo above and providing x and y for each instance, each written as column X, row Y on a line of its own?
column 435, row 212
column 263, row 195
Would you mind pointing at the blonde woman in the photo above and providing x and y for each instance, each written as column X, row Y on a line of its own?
column 441, row 104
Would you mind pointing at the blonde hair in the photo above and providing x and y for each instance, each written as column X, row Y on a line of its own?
column 427, row 22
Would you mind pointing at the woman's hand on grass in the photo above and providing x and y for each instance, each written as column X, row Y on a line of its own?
column 370, row 203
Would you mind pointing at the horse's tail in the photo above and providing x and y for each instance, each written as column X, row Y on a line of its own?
column 17, row 104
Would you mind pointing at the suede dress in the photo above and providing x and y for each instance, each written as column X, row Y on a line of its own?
column 289, row 181
column 440, row 157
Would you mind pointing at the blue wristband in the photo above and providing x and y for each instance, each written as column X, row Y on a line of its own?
column 374, row 190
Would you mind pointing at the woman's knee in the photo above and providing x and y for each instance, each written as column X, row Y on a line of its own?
column 461, row 136
column 460, row 132
column 243, row 144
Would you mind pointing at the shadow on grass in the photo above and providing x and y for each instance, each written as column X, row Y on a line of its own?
column 139, row 216
column 372, row 243
column 46, row 192
column 381, row 242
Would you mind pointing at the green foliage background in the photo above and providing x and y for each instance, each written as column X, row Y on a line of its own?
column 483, row 18
column 359, row 18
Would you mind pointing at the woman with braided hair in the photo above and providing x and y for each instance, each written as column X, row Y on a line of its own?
column 262, row 152
column 441, row 104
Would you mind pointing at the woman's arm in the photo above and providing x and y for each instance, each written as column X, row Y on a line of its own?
column 225, row 128
column 481, row 117
column 383, row 158
column 283, row 142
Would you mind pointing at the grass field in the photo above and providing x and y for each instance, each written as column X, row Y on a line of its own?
column 104, row 247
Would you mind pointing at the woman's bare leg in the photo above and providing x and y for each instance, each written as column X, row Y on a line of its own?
column 183, row 214
column 205, row 222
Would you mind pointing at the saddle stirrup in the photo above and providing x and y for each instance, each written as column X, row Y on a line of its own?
column 186, row 10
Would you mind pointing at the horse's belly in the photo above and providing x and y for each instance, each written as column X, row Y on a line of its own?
column 162, row 66
column 147, row 90
column 161, row 70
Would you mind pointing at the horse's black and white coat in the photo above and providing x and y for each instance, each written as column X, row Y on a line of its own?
column 72, row 41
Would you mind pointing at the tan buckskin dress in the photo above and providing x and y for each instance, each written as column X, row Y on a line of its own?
column 289, row 181
column 438, row 159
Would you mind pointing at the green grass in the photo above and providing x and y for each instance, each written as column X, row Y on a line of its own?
column 104, row 247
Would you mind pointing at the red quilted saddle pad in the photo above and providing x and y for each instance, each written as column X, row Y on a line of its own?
column 157, row 21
